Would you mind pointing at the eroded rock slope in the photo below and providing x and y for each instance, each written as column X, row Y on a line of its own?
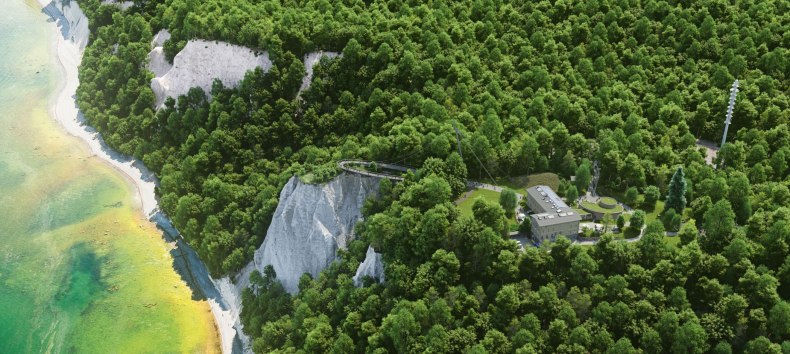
column 311, row 222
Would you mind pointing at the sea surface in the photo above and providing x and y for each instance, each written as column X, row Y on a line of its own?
column 81, row 269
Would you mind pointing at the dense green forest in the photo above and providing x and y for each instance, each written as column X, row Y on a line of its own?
column 533, row 86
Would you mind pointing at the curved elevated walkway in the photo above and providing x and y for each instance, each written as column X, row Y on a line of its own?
column 348, row 165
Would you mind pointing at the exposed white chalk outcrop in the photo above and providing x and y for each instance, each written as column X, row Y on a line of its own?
column 230, row 292
column 311, row 222
column 123, row 5
column 372, row 267
column 70, row 20
column 157, row 62
column 160, row 38
column 200, row 62
column 310, row 60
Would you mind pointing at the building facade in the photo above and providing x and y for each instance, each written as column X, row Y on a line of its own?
column 551, row 217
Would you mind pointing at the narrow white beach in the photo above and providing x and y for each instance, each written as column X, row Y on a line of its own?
column 65, row 111
column 68, row 46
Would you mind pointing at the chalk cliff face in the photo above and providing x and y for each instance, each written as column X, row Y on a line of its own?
column 157, row 62
column 310, row 60
column 71, row 20
column 199, row 63
column 123, row 5
column 372, row 267
column 311, row 222
column 202, row 61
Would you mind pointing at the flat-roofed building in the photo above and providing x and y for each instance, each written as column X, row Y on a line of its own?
column 551, row 216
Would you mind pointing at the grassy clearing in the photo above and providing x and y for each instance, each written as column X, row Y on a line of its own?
column 672, row 241
column 466, row 205
column 608, row 200
column 493, row 197
column 519, row 183
column 653, row 215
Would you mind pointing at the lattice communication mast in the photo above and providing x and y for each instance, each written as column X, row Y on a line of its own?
column 730, row 108
column 595, row 177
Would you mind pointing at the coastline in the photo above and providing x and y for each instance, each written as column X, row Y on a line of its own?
column 63, row 108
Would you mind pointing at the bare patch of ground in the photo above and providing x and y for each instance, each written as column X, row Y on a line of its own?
column 711, row 149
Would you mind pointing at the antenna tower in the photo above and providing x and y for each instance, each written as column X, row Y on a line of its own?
column 730, row 108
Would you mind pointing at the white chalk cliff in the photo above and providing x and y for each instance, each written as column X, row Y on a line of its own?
column 199, row 63
column 160, row 38
column 71, row 21
column 230, row 292
column 157, row 62
column 123, row 5
column 310, row 224
column 310, row 60
column 372, row 267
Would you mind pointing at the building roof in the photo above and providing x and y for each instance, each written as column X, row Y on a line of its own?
column 548, row 201
column 547, row 219
column 551, row 209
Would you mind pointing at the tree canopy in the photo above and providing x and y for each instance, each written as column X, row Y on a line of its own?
column 533, row 87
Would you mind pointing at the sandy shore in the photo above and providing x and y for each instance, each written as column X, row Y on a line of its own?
column 64, row 110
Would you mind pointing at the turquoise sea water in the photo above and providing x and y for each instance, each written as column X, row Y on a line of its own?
column 80, row 269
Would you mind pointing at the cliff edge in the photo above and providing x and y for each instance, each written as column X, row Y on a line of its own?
column 71, row 21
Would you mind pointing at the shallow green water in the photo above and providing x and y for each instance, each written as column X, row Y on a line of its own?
column 80, row 269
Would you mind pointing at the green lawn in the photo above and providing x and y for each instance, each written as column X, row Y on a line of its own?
column 608, row 200
column 597, row 208
column 491, row 196
column 520, row 183
column 673, row 241
column 653, row 215
column 466, row 205
column 580, row 211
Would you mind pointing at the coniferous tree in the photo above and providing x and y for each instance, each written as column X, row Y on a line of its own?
column 676, row 196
